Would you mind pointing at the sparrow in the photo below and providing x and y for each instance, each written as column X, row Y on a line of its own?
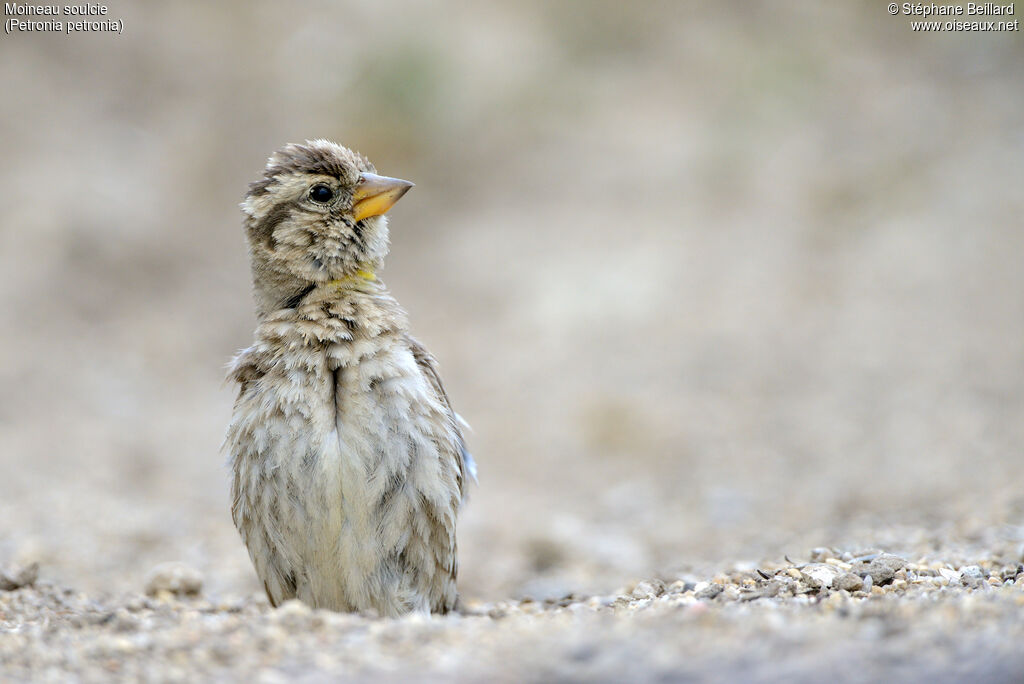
column 348, row 464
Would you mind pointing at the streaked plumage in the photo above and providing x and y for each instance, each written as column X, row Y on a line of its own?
column 348, row 462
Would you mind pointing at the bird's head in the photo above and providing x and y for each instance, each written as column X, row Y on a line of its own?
column 316, row 215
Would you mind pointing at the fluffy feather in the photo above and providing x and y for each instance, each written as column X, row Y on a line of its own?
column 348, row 462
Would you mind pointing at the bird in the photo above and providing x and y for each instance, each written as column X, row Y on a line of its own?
column 348, row 464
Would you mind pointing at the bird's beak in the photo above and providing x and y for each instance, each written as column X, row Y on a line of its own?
column 376, row 194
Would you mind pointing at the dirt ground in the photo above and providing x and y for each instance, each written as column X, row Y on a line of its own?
column 715, row 286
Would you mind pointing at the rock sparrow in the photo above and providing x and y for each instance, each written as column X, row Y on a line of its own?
column 348, row 462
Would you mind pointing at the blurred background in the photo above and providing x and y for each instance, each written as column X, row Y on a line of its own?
column 712, row 282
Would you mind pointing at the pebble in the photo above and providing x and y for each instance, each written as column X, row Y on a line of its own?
column 819, row 575
column 848, row 581
column 173, row 579
column 651, row 589
column 973, row 571
column 600, row 601
column 882, row 568
column 711, row 591
column 821, row 553
column 16, row 577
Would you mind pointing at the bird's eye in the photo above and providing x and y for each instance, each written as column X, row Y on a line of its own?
column 321, row 193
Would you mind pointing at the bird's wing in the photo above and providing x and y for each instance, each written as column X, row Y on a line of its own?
column 428, row 364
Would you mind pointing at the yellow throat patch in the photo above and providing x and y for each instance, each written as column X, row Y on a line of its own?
column 360, row 276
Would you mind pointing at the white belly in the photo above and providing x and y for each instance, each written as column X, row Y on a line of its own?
column 349, row 472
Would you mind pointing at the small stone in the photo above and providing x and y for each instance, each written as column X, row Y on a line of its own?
column 293, row 607
column 711, row 591
column 531, row 607
column 973, row 571
column 136, row 603
column 819, row 575
column 475, row 607
column 648, row 590
column 17, row 577
column 848, row 582
column 838, row 563
column 174, row 578
column 821, row 554
column 882, row 568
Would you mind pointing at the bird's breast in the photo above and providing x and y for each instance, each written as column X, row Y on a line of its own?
column 345, row 460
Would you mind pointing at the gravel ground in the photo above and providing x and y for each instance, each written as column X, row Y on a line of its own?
column 846, row 616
